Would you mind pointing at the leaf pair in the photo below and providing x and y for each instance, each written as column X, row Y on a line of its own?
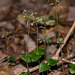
column 44, row 67
column 39, row 50
column 34, row 56
column 25, row 57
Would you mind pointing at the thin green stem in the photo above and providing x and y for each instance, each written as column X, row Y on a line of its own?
column 7, row 55
column 47, row 72
column 56, row 18
column 27, row 44
column 39, row 63
column 45, row 32
column 42, row 73
column 37, row 40
column 28, row 34
column 45, row 29
column 27, row 68
column 37, row 36
column 58, row 33
column 61, row 59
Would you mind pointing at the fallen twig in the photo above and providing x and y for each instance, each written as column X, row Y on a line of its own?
column 37, row 67
column 32, row 69
column 65, row 61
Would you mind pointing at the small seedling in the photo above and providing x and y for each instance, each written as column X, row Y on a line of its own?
column 30, row 57
column 44, row 67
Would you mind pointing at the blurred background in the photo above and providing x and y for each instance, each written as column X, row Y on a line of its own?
column 9, row 9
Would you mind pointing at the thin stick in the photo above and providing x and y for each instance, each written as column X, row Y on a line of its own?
column 8, row 55
column 30, row 70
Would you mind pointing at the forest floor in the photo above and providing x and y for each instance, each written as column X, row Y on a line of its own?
column 16, row 30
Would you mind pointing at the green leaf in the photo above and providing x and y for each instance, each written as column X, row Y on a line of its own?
column 72, row 71
column 51, row 18
column 39, row 50
column 25, row 57
column 35, row 57
column 24, row 73
column 43, row 67
column 5, row 58
column 59, row 20
column 72, row 65
column 72, row 68
column 12, row 58
column 51, row 61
